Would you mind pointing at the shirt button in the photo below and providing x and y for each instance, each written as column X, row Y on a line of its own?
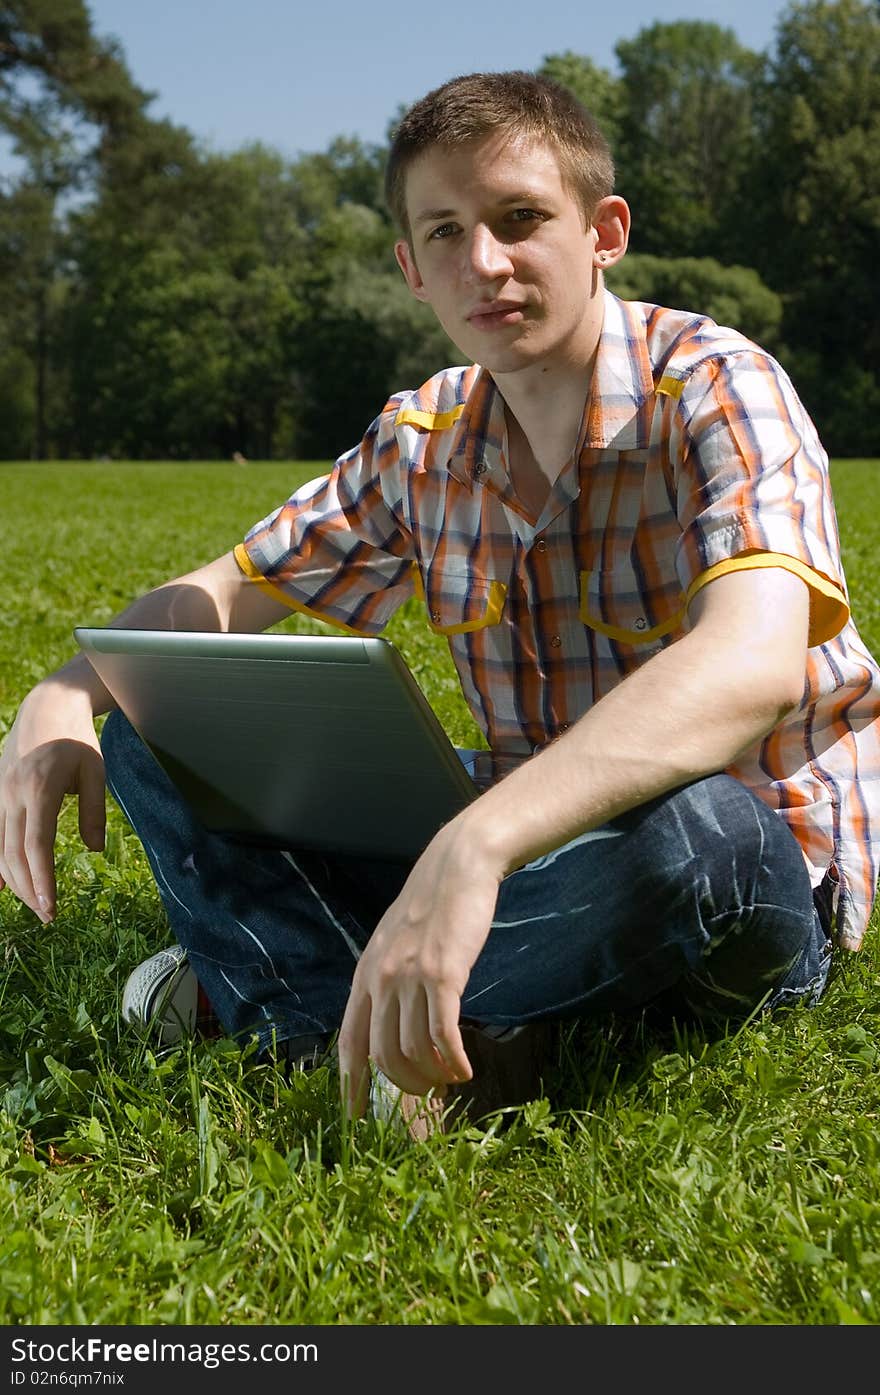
column 641, row 623
column 479, row 469
column 435, row 616
column 540, row 545
column 556, row 641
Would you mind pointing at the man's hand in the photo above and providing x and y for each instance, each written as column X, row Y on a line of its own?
column 405, row 998
column 51, row 751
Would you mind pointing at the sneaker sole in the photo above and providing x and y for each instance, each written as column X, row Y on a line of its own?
column 161, row 996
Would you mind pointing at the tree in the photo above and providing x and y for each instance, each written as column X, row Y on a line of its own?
column 686, row 135
column 182, row 324
column 364, row 336
column 594, row 87
column 28, row 252
column 816, row 205
column 51, row 43
column 61, row 92
column 347, row 172
column 236, row 303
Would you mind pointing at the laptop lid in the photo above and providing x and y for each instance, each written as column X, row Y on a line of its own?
column 301, row 741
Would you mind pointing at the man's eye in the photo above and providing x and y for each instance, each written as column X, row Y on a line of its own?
column 524, row 215
column 444, row 230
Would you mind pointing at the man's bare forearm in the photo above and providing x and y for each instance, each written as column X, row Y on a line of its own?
column 688, row 712
column 214, row 597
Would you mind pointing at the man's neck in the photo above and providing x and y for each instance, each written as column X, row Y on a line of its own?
column 544, row 409
column 545, row 401
column 548, row 411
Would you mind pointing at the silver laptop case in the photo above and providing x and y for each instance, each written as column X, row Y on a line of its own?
column 301, row 741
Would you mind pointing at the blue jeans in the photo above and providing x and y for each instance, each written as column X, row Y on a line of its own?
column 699, row 900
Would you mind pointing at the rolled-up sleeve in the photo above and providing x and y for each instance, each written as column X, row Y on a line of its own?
column 752, row 484
column 339, row 548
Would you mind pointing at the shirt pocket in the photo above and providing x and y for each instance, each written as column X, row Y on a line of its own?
column 459, row 601
column 612, row 604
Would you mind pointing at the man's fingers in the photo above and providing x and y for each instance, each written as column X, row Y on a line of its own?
column 16, row 872
column 30, row 824
column 18, row 863
column 92, row 801
column 39, row 766
column 4, row 871
column 443, row 1012
column 401, row 1046
column 353, row 1046
column 417, row 1052
column 39, row 843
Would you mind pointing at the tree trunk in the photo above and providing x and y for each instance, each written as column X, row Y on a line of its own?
column 42, row 372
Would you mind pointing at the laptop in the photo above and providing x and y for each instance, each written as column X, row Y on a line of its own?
column 296, row 741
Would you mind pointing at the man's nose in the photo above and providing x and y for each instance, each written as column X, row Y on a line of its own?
column 488, row 257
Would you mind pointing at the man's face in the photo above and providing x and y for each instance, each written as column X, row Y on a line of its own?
column 500, row 251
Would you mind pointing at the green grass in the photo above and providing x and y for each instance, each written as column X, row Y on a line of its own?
column 665, row 1179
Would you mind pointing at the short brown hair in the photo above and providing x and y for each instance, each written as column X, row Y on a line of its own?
column 519, row 103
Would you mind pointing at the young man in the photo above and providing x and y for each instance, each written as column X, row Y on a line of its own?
column 621, row 518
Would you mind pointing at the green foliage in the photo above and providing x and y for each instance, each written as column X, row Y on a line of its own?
column 364, row 335
column 16, row 402
column 818, row 207
column 182, row 358
column 346, row 173
column 730, row 295
column 665, row 1178
column 62, row 94
column 50, row 41
column 593, row 86
column 686, row 137
column 765, row 162
column 184, row 333
column 163, row 299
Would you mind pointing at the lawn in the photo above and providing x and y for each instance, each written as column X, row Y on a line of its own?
column 664, row 1179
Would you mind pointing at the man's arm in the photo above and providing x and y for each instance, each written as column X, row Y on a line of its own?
column 52, row 749
column 687, row 712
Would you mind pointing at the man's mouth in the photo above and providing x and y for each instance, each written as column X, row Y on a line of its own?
column 495, row 314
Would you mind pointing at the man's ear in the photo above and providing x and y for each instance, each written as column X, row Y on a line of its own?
column 610, row 230
column 407, row 263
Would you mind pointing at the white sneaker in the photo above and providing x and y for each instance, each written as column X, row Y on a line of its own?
column 420, row 1118
column 162, row 994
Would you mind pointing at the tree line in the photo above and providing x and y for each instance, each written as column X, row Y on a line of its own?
column 163, row 301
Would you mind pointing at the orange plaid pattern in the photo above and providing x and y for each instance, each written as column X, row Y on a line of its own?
column 695, row 458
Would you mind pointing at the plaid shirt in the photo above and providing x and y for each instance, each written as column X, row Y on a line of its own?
column 695, row 458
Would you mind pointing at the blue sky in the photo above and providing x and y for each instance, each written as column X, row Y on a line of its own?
column 294, row 75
